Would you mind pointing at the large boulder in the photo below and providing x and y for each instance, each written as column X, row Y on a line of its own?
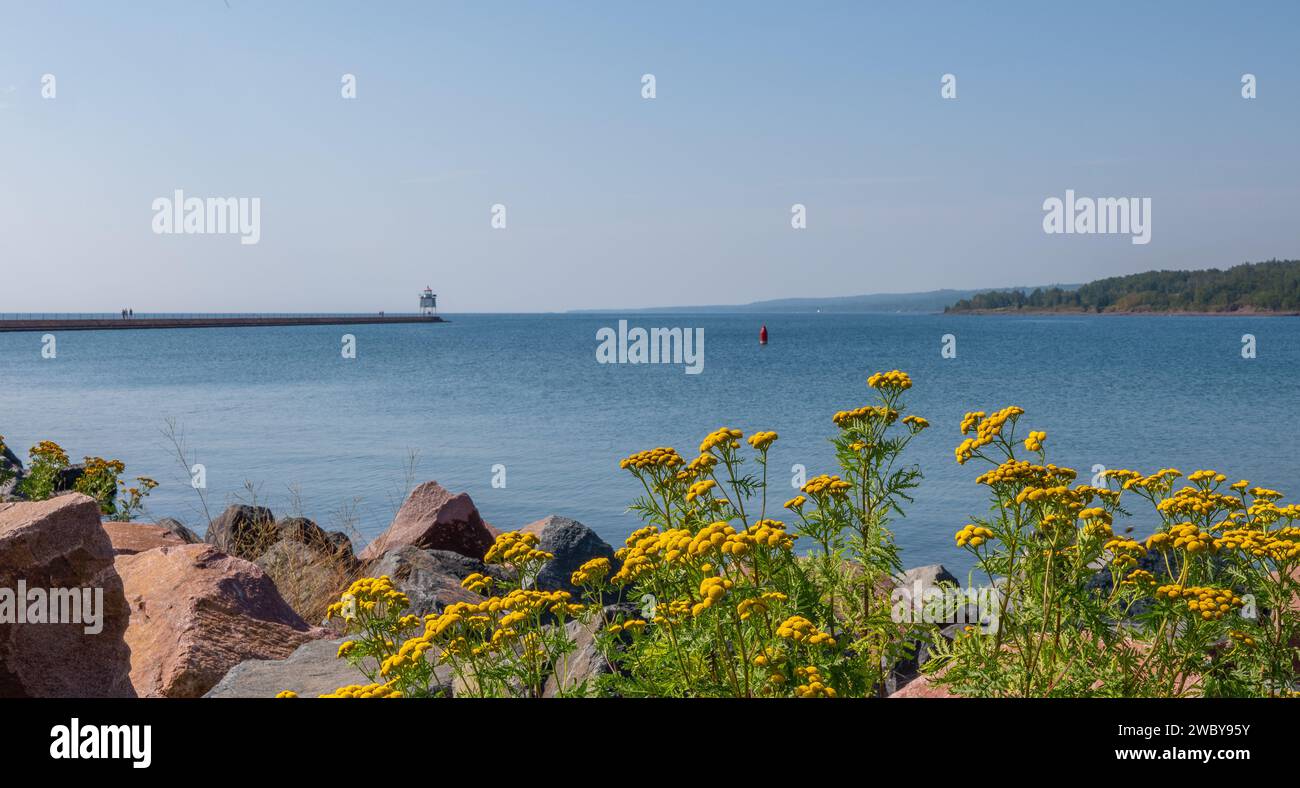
column 434, row 519
column 308, row 578
column 242, row 530
column 923, row 687
column 304, row 531
column 9, row 460
column 11, row 472
column 920, row 591
column 59, row 544
column 577, row 673
column 178, row 529
column 312, row 670
column 430, row 578
column 341, row 544
column 572, row 544
column 132, row 538
column 196, row 613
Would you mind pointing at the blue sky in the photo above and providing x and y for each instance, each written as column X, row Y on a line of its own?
column 617, row 201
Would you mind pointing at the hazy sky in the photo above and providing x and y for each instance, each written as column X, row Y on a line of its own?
column 613, row 200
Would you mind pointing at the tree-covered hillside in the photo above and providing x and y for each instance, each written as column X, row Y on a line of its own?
column 1272, row 286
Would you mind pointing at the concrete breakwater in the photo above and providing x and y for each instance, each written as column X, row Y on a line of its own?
column 51, row 323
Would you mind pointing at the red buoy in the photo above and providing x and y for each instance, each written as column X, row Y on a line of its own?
column 762, row 335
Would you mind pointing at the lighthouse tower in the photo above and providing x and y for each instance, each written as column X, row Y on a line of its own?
column 428, row 302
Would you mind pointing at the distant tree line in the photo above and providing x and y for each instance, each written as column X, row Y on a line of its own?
column 1269, row 286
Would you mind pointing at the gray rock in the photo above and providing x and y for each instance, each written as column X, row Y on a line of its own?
column 10, row 460
column 67, row 478
column 312, row 670
column 341, row 543
column 177, row 528
column 930, row 575
column 572, row 544
column 243, row 531
column 431, row 578
column 577, row 672
column 11, row 473
column 305, row 575
column 300, row 529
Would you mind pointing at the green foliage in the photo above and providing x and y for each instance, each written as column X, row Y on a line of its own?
column 1272, row 286
column 48, row 459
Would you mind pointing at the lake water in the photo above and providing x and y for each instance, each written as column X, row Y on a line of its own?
column 282, row 409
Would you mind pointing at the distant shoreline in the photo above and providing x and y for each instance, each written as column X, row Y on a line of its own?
column 1123, row 313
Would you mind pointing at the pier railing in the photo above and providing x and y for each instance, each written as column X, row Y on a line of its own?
column 86, row 321
column 191, row 315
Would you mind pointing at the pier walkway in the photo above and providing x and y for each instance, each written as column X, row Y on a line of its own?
column 109, row 322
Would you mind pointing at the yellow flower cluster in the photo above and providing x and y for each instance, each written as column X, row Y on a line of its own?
column 1140, row 578
column 365, row 691
column 633, row 625
column 1010, row 472
column 281, row 693
column 699, row 488
column 827, row 484
column 96, row 467
column 1196, row 477
column 647, row 549
column 591, row 572
column 409, row 655
column 1158, row 482
column 915, row 423
column 491, row 623
column 973, row 535
column 1212, row 604
column 1035, row 441
column 801, row 630
column 1125, row 552
column 478, row 582
column 712, row 590
column 1280, row 545
column 814, row 686
column 1242, row 638
column 369, row 595
column 516, row 547
column 759, row 605
column 762, row 440
column 768, row 533
column 50, row 452
column 1184, row 536
column 892, row 380
column 661, row 457
column 1195, row 501
column 796, row 502
column 866, row 413
column 722, row 437
column 674, row 612
column 987, row 428
column 715, row 535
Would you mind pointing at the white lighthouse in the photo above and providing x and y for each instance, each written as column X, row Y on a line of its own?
column 428, row 302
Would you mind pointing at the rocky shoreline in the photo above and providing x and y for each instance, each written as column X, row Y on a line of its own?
column 185, row 618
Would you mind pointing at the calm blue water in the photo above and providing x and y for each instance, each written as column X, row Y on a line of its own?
column 280, row 408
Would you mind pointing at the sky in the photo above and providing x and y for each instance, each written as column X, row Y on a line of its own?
column 614, row 200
